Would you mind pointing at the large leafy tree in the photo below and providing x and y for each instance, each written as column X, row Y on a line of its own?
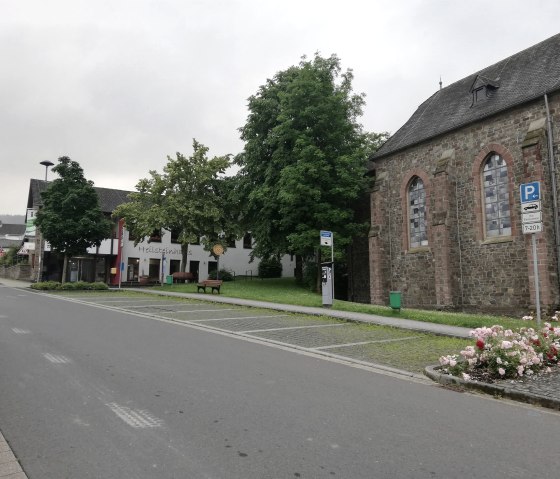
column 70, row 218
column 190, row 197
column 304, row 158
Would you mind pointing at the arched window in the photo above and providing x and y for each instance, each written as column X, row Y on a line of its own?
column 417, row 231
column 495, row 191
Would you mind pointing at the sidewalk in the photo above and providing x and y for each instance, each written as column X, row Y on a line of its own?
column 542, row 390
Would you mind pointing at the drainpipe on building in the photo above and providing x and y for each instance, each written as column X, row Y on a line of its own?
column 553, row 184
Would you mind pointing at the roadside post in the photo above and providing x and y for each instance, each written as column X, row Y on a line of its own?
column 327, row 270
column 531, row 223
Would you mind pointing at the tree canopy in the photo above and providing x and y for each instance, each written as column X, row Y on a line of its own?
column 303, row 164
column 190, row 198
column 70, row 218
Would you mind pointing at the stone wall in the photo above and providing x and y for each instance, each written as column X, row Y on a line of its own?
column 19, row 271
column 460, row 268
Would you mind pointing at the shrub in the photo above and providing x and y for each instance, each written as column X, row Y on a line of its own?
column 46, row 285
column 270, row 268
column 225, row 275
column 500, row 353
column 79, row 285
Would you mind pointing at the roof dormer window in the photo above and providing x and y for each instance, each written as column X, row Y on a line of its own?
column 482, row 88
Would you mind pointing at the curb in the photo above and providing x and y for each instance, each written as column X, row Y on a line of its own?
column 492, row 389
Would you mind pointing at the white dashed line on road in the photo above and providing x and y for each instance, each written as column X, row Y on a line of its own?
column 138, row 419
column 57, row 358
column 20, row 331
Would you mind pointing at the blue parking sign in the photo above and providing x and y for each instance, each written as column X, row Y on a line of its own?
column 530, row 191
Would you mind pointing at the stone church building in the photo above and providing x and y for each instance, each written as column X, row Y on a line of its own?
column 446, row 214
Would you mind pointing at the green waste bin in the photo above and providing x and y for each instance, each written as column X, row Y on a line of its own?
column 395, row 299
column 169, row 279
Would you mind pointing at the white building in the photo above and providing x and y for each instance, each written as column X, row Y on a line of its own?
column 118, row 260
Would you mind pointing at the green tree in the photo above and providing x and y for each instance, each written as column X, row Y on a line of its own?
column 70, row 218
column 304, row 159
column 189, row 197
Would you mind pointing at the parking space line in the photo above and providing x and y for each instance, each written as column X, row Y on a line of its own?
column 293, row 327
column 146, row 306
column 238, row 317
column 334, row 346
column 204, row 310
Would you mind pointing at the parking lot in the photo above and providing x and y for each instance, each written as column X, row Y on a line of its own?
column 401, row 351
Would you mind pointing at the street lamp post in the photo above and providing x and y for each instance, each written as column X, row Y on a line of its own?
column 46, row 164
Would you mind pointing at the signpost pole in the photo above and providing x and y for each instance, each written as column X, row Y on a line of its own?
column 536, row 275
column 531, row 223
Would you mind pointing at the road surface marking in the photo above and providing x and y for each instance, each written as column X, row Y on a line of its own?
column 293, row 327
column 239, row 317
column 205, row 310
column 57, row 358
column 20, row 331
column 334, row 346
column 138, row 419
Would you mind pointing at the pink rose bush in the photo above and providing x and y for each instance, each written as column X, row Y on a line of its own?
column 505, row 354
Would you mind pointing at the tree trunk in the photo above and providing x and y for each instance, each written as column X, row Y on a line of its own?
column 64, row 268
column 299, row 269
column 184, row 256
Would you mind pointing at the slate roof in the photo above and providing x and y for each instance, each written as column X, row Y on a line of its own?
column 109, row 198
column 518, row 79
column 12, row 229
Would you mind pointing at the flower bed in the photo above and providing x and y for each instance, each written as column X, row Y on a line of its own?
column 505, row 354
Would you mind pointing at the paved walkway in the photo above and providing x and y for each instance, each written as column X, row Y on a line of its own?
column 543, row 390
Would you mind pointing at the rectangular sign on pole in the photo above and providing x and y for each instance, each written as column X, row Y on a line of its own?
column 326, row 238
column 531, row 207
column 531, row 228
column 531, row 217
column 530, row 192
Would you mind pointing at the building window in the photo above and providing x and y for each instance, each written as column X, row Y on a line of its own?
column 247, row 241
column 155, row 236
column 418, row 233
column 495, row 191
column 175, row 236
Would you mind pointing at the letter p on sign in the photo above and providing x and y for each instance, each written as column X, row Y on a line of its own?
column 530, row 192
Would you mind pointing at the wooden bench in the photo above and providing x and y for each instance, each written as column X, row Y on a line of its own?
column 184, row 276
column 214, row 284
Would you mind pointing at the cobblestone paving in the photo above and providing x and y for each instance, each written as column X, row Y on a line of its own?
column 546, row 384
column 255, row 320
column 412, row 356
column 343, row 333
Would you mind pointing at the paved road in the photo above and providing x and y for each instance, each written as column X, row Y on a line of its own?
column 87, row 392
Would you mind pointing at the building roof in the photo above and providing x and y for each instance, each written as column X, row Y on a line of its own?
column 518, row 79
column 109, row 198
column 11, row 229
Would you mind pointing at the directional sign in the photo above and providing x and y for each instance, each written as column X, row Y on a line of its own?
column 531, row 207
column 326, row 238
column 530, row 192
column 530, row 228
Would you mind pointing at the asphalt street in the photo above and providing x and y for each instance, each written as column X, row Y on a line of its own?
column 95, row 392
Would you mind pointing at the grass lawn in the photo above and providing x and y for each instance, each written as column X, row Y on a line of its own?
column 285, row 290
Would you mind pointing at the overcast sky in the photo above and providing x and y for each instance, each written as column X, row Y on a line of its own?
column 118, row 85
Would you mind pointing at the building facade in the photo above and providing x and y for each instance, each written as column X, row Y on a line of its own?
column 446, row 216
column 118, row 260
